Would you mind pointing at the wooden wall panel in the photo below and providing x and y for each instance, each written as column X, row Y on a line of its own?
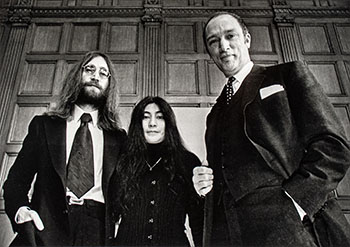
column 123, row 37
column 85, row 37
column 127, row 77
column 181, row 38
column 314, row 39
column 7, row 162
column 344, row 116
column 182, row 78
column 262, row 40
column 38, row 78
column 327, row 75
column 47, row 38
column 343, row 34
column 216, row 79
column 22, row 116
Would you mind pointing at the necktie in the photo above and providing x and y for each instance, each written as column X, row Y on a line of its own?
column 229, row 89
column 80, row 173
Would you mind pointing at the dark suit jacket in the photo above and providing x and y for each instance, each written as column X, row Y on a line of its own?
column 44, row 154
column 295, row 130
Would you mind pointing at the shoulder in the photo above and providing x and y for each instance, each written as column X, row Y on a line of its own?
column 42, row 119
column 190, row 159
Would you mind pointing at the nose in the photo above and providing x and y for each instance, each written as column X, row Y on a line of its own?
column 96, row 76
column 224, row 44
column 152, row 122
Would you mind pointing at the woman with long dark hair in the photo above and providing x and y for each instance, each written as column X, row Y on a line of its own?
column 152, row 188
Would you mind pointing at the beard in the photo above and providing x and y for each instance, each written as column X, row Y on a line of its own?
column 89, row 94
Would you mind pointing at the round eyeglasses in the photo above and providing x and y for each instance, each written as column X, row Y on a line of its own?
column 91, row 70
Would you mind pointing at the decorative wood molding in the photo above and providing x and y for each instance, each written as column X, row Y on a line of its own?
column 9, row 69
column 289, row 49
column 152, row 13
column 321, row 12
column 151, row 61
column 87, row 12
column 19, row 16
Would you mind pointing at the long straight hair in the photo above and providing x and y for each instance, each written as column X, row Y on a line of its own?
column 132, row 164
column 108, row 112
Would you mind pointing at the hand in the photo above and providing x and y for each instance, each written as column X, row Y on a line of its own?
column 25, row 214
column 203, row 178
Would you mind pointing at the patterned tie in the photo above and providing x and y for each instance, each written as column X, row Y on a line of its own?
column 80, row 174
column 229, row 89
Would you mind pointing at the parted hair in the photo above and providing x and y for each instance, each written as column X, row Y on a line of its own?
column 72, row 84
column 132, row 164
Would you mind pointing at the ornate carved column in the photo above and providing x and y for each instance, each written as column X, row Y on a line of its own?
column 19, row 18
column 285, row 26
column 152, row 20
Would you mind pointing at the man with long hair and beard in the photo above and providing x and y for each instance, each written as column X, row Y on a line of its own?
column 72, row 151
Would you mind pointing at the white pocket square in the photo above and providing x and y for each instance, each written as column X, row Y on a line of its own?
column 268, row 91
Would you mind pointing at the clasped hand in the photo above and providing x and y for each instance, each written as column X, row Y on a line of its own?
column 203, row 178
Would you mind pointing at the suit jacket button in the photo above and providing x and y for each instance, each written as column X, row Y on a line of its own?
column 65, row 211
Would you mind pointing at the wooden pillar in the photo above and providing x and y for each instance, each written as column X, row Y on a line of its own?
column 19, row 18
column 152, row 20
column 285, row 26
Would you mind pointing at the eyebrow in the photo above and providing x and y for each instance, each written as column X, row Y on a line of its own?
column 226, row 31
column 150, row 112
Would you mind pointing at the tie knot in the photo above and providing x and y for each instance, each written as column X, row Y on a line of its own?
column 85, row 118
column 230, row 81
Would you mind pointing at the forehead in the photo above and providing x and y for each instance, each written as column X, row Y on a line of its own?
column 152, row 108
column 98, row 62
column 222, row 23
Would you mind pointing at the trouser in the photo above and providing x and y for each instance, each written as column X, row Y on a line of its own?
column 87, row 223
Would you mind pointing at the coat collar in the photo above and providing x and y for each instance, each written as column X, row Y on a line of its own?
column 55, row 129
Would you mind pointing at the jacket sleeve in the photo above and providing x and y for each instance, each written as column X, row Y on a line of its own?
column 22, row 173
column 195, row 207
column 326, row 156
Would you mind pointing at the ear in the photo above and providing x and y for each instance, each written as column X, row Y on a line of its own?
column 247, row 39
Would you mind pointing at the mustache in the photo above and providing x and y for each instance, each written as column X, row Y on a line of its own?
column 91, row 84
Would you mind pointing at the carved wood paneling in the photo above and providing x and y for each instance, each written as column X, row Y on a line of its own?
column 9, row 69
column 38, row 78
column 182, row 78
column 22, row 116
column 181, row 38
column 47, row 38
column 315, row 39
column 127, row 77
column 262, row 40
column 151, row 73
column 344, row 115
column 216, row 79
column 123, row 37
column 7, row 162
column 85, row 37
column 327, row 75
column 343, row 34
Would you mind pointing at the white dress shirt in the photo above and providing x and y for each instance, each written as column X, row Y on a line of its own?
column 95, row 193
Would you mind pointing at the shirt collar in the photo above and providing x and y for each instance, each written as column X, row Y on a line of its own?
column 242, row 74
column 77, row 112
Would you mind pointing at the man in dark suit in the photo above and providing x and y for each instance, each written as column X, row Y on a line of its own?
column 71, row 170
column 275, row 148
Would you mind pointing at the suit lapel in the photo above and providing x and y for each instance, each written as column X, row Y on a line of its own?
column 252, row 84
column 56, row 137
column 111, row 149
